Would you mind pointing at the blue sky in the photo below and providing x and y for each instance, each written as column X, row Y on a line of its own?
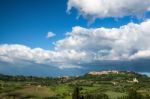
column 27, row 23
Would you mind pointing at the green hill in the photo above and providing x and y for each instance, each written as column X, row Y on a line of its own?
column 93, row 85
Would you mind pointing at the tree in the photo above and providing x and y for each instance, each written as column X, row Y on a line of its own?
column 96, row 96
column 134, row 95
column 76, row 94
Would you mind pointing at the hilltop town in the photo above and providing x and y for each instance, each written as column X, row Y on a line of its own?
column 104, row 72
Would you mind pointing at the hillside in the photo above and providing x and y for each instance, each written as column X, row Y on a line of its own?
column 101, row 84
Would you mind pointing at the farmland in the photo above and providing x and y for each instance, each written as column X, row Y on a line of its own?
column 108, row 86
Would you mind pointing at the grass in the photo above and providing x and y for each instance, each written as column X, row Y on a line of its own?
column 63, row 90
column 32, row 91
column 87, row 89
column 36, row 91
column 114, row 95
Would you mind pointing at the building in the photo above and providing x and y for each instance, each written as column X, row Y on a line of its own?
column 103, row 72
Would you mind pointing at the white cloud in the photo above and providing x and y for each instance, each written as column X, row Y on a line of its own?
column 15, row 53
column 141, row 54
column 83, row 45
column 92, row 9
column 50, row 34
column 108, row 43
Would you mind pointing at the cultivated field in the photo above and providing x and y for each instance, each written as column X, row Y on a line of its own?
column 108, row 86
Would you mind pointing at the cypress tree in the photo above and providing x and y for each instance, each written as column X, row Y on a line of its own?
column 76, row 94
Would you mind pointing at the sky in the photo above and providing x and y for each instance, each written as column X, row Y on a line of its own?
column 73, row 37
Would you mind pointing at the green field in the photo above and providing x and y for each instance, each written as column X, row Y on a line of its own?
column 114, row 86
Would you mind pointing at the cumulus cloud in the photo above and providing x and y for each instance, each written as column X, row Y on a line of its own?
column 15, row 53
column 50, row 34
column 121, row 43
column 92, row 9
column 82, row 46
column 141, row 54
